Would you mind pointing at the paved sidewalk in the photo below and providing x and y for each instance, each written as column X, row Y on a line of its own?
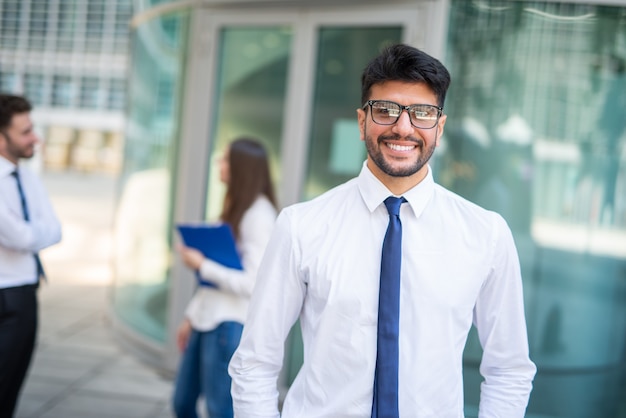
column 79, row 370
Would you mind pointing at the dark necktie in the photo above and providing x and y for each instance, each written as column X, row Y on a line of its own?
column 40, row 271
column 385, row 403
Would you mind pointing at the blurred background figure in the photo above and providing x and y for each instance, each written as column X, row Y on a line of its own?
column 28, row 224
column 210, row 332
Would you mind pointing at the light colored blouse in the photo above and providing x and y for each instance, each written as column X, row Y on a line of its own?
column 229, row 301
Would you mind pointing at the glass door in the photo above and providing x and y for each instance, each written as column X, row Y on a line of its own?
column 293, row 81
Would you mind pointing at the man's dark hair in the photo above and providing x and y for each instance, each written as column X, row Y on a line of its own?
column 11, row 105
column 405, row 63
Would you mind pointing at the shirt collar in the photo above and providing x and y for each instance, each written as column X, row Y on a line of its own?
column 374, row 192
column 6, row 167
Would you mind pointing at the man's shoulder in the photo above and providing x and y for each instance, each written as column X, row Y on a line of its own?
column 333, row 196
column 324, row 207
column 26, row 170
column 31, row 177
column 460, row 205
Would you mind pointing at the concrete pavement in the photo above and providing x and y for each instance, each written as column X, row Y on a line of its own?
column 79, row 370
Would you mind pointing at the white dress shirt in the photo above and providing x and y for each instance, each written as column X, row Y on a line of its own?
column 19, row 239
column 229, row 301
column 322, row 265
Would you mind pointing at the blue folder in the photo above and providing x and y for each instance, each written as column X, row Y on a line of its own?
column 216, row 242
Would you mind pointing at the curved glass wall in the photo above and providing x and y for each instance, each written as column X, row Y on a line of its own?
column 143, row 222
column 537, row 131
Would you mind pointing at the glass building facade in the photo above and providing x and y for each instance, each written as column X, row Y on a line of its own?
column 536, row 131
column 70, row 59
column 66, row 53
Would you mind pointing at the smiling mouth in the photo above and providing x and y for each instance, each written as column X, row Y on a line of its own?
column 396, row 147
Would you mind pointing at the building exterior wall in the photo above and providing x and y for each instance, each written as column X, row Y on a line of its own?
column 70, row 58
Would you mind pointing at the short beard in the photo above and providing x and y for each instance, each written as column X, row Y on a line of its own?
column 13, row 150
column 377, row 156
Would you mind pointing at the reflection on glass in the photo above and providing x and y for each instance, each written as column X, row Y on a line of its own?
column 38, row 25
column 117, row 94
column 62, row 91
column 335, row 150
column 251, row 86
column 9, row 23
column 67, row 24
column 8, row 81
column 34, row 88
column 536, row 131
column 90, row 93
column 143, row 221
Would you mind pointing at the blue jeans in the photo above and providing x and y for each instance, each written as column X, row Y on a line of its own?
column 204, row 371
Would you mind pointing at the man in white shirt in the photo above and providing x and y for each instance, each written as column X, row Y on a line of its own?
column 459, row 267
column 28, row 224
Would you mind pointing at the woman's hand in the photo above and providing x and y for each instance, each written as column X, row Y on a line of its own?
column 191, row 257
column 182, row 335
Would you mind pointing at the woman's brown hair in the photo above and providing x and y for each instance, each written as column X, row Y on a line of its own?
column 248, row 177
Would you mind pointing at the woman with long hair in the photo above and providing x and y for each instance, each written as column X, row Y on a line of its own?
column 210, row 332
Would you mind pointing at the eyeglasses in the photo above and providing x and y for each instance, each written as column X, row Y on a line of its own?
column 385, row 112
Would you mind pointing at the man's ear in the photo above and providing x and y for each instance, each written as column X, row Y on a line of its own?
column 3, row 143
column 361, row 115
column 440, row 125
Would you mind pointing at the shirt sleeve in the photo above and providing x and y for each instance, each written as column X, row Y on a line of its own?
column 255, row 230
column 274, row 307
column 41, row 231
column 499, row 319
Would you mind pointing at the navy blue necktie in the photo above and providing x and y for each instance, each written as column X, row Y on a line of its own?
column 385, row 403
column 40, row 271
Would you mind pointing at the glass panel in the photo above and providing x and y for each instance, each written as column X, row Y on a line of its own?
column 8, row 81
column 123, row 14
column 251, row 85
column 144, row 216
column 536, row 131
column 90, row 93
column 62, row 91
column 38, row 25
column 95, row 25
column 34, row 88
column 117, row 97
column 67, row 24
column 10, row 23
column 336, row 153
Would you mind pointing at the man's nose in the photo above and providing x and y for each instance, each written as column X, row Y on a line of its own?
column 403, row 124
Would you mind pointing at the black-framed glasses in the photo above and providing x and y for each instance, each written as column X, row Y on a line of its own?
column 385, row 112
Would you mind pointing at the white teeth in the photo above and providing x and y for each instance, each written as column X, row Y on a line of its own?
column 396, row 147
